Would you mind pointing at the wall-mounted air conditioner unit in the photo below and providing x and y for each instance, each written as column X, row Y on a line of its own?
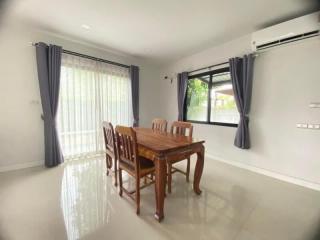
column 291, row 31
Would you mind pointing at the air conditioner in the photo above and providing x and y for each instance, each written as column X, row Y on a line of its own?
column 294, row 30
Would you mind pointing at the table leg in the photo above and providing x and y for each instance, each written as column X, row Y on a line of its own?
column 198, row 170
column 116, row 171
column 160, row 185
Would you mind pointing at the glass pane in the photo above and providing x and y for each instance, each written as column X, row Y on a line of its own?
column 221, row 77
column 197, row 99
column 223, row 106
column 90, row 93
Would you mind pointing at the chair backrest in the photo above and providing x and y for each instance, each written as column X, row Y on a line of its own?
column 182, row 128
column 109, row 139
column 127, row 146
column 159, row 124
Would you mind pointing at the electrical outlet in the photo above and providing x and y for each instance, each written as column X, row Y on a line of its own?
column 310, row 126
column 305, row 125
column 302, row 125
column 314, row 105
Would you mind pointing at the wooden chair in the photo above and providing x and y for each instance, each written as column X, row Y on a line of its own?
column 159, row 124
column 185, row 129
column 110, row 147
column 129, row 161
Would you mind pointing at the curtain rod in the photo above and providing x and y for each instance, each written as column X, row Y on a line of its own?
column 216, row 65
column 90, row 57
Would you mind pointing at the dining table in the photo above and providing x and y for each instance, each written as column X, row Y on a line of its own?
column 159, row 146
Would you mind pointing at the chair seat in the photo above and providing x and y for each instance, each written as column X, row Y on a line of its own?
column 146, row 167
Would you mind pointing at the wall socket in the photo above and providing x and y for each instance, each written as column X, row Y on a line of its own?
column 308, row 126
column 314, row 105
column 316, row 126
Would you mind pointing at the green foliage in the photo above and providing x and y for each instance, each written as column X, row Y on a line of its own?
column 197, row 92
column 197, row 100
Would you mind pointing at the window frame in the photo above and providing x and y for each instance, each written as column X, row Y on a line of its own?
column 210, row 85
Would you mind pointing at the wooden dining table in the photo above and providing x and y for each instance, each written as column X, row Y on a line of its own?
column 162, row 146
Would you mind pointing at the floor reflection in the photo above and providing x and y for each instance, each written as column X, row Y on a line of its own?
column 78, row 201
column 209, row 216
column 84, row 197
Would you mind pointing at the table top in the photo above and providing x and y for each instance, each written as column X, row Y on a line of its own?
column 162, row 141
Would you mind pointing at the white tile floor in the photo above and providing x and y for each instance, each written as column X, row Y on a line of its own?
column 78, row 201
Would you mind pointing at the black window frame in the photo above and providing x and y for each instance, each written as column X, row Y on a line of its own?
column 210, row 85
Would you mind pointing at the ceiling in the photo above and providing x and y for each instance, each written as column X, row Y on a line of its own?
column 163, row 30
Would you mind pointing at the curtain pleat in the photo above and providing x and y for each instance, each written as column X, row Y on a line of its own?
column 181, row 93
column 91, row 92
column 241, row 70
column 49, row 65
column 134, row 76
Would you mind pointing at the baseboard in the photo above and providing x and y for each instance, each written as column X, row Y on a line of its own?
column 20, row 166
column 279, row 176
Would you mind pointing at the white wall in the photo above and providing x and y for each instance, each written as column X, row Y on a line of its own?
column 150, row 100
column 286, row 80
column 21, row 128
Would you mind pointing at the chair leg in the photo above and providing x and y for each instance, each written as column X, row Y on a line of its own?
column 169, row 170
column 188, row 169
column 115, row 172
column 120, row 182
column 138, row 194
column 107, row 164
column 145, row 180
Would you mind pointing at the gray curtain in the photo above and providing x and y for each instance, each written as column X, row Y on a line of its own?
column 241, row 70
column 182, row 89
column 49, row 66
column 134, row 75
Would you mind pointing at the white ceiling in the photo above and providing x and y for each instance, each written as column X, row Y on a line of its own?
column 159, row 30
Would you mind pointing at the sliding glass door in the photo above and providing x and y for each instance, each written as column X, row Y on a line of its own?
column 90, row 92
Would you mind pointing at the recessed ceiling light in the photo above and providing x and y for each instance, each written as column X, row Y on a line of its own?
column 85, row 26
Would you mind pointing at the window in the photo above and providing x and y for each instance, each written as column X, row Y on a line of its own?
column 90, row 92
column 210, row 99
